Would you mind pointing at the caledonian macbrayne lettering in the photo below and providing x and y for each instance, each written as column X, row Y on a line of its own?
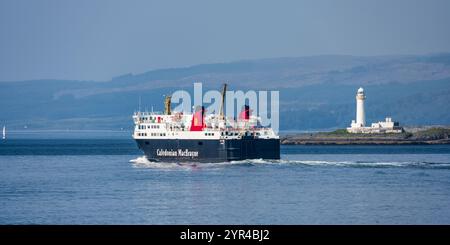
column 176, row 153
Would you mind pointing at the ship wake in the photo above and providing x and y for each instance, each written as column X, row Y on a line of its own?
column 143, row 162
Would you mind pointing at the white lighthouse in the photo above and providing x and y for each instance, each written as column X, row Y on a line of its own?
column 360, row 114
column 359, row 125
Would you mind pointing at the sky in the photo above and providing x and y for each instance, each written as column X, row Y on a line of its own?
column 101, row 39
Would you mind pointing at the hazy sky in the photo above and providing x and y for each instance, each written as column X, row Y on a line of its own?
column 97, row 40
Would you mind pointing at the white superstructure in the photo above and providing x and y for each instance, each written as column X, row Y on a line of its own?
column 154, row 125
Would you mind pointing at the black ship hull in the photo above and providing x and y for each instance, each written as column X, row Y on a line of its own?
column 213, row 150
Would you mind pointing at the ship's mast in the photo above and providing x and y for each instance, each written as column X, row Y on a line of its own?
column 221, row 113
column 167, row 105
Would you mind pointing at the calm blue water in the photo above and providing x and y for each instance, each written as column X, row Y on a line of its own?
column 106, row 181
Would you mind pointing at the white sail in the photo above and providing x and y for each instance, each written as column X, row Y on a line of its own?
column 4, row 132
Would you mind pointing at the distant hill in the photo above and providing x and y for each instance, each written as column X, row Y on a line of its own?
column 316, row 92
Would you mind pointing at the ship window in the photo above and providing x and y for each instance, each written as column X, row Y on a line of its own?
column 147, row 143
column 200, row 143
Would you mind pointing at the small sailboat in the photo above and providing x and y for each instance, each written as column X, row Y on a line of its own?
column 4, row 132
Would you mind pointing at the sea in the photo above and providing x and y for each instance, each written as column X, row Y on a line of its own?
column 102, row 178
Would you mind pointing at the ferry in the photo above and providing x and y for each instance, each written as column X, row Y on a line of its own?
column 201, row 137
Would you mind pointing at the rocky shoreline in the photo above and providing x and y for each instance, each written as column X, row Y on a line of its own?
column 341, row 137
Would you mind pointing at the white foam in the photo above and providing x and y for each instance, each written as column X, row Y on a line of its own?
column 145, row 163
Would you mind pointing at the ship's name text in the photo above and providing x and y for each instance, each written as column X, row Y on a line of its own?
column 176, row 153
